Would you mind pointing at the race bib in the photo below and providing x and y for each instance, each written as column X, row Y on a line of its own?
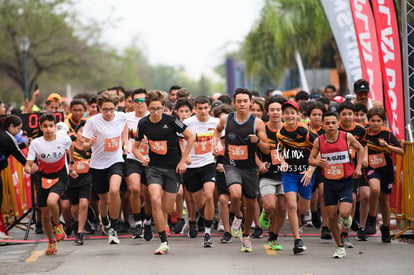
column 81, row 166
column 377, row 160
column 159, row 147
column 112, row 144
column 48, row 183
column 238, row 152
column 275, row 157
column 143, row 149
column 334, row 171
column 203, row 147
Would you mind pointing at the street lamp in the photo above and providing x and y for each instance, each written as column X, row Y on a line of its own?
column 24, row 47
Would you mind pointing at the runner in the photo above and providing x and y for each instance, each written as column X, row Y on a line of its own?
column 50, row 151
column 338, row 172
column 244, row 133
column 165, row 160
column 200, row 176
column 297, row 174
column 270, row 182
column 107, row 135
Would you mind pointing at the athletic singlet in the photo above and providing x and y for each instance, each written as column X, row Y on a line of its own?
column 337, row 154
column 239, row 151
column 274, row 157
column 81, row 159
column 379, row 157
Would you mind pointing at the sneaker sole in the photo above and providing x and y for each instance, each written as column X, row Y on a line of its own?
column 114, row 242
column 224, row 241
column 339, row 257
column 160, row 252
column 298, row 251
column 246, row 250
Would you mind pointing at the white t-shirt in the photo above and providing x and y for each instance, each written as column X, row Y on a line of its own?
column 107, row 149
column 202, row 152
column 51, row 155
column 132, row 122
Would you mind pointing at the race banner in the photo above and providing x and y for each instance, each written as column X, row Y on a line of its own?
column 339, row 16
column 368, row 47
column 390, row 53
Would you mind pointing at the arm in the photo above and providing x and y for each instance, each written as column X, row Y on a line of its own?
column 124, row 138
column 361, row 155
column 137, row 153
column 217, row 134
column 314, row 160
column 28, row 167
column 260, row 138
column 29, row 107
column 394, row 149
column 182, row 165
column 260, row 164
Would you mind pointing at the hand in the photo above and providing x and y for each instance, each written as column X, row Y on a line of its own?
column 188, row 161
column 263, row 167
column 254, row 139
column 323, row 162
column 36, row 93
column 73, row 174
column 284, row 166
column 92, row 141
column 181, row 167
column 382, row 142
column 220, row 167
column 307, row 177
column 126, row 149
column 357, row 173
column 145, row 161
column 35, row 168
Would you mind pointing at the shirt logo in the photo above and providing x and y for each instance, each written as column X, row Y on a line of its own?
column 165, row 126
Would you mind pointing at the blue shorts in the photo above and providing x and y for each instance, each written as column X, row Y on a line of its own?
column 292, row 183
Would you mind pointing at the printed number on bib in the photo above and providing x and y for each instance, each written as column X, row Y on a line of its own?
column 202, row 147
column 81, row 166
column 377, row 160
column 238, row 152
column 47, row 183
column 159, row 147
column 334, row 171
column 143, row 149
column 112, row 144
column 275, row 157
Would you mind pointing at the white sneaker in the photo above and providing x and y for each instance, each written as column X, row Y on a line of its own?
column 4, row 236
column 220, row 227
column 236, row 228
column 339, row 253
column 113, row 237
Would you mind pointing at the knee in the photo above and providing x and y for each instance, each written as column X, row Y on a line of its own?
column 269, row 207
column 114, row 193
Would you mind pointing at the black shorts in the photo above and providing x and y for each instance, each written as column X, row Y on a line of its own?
column 335, row 191
column 221, row 185
column 133, row 166
column 386, row 179
column 247, row 179
column 194, row 178
column 100, row 177
column 167, row 178
column 318, row 179
column 355, row 185
column 78, row 192
column 59, row 188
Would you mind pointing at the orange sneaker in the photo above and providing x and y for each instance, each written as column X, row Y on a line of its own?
column 51, row 248
column 59, row 232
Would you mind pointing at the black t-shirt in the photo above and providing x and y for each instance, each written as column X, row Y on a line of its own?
column 164, row 149
column 273, row 158
column 9, row 146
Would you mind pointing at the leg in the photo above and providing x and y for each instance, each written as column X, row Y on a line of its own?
column 384, row 200
column 83, row 214
column 249, row 214
column 114, row 196
column 235, row 198
column 155, row 192
column 47, row 226
column 364, row 194
column 291, row 200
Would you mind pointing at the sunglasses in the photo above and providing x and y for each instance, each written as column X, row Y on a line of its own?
column 139, row 100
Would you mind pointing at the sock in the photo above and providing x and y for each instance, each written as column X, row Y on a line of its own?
column 266, row 216
column 231, row 215
column 114, row 223
column 105, row 220
column 245, row 235
column 207, row 228
column 163, row 236
column 137, row 217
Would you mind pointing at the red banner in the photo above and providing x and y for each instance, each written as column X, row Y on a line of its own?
column 390, row 53
column 368, row 47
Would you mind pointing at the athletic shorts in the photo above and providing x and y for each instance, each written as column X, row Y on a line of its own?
column 355, row 185
column 78, row 192
column 221, row 185
column 167, row 178
column 270, row 187
column 292, row 183
column 318, row 179
column 100, row 177
column 194, row 178
column 386, row 179
column 246, row 178
column 133, row 166
column 59, row 188
column 337, row 191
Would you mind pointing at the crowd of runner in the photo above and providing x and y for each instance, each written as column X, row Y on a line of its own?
column 125, row 160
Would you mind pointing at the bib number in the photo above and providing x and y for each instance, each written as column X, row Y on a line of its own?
column 203, row 147
column 238, row 152
column 143, row 149
column 48, row 183
column 81, row 166
column 275, row 157
column 112, row 144
column 377, row 160
column 334, row 171
column 159, row 147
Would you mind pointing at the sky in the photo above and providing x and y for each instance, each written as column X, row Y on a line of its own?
column 194, row 34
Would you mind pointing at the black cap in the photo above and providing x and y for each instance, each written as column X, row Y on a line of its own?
column 361, row 85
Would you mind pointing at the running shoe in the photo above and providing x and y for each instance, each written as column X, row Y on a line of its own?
column 265, row 219
column 148, row 235
column 236, row 228
column 385, row 234
column 326, row 233
column 207, row 242
column 316, row 219
column 339, row 253
column 174, row 215
column 51, row 248
column 361, row 235
column 246, row 244
column 370, row 227
column 299, row 247
column 137, row 232
column 226, row 238
column 106, row 228
column 179, row 226
column 345, row 240
column 307, row 219
column 192, row 233
column 346, row 223
column 113, row 237
column 274, row 245
column 220, row 226
column 78, row 239
column 38, row 228
column 162, row 249
column 258, row 232
column 59, row 232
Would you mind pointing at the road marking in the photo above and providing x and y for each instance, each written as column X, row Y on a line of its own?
column 268, row 250
column 35, row 255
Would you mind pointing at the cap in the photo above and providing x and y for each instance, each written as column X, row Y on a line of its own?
column 292, row 104
column 62, row 129
column 361, row 85
column 54, row 97
column 277, row 93
column 339, row 99
column 216, row 103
